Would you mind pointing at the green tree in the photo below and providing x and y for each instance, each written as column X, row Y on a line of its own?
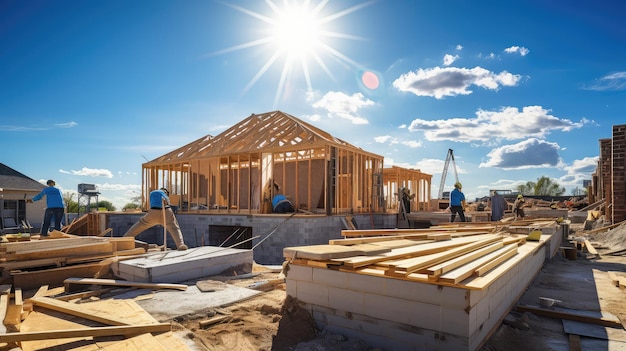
column 72, row 206
column 544, row 187
column 108, row 205
column 130, row 206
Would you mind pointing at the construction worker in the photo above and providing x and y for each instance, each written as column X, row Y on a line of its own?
column 457, row 202
column 159, row 208
column 55, row 207
column 518, row 207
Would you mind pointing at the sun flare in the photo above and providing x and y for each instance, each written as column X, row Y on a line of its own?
column 298, row 33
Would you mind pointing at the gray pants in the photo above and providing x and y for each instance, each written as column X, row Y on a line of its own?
column 155, row 217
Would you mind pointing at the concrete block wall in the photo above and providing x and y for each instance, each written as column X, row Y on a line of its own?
column 275, row 231
column 618, row 173
column 398, row 314
column 604, row 166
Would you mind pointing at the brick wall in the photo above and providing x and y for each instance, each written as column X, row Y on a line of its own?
column 604, row 179
column 618, row 180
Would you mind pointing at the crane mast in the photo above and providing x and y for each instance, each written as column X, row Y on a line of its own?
column 444, row 174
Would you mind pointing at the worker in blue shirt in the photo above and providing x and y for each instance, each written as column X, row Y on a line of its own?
column 280, row 203
column 55, row 207
column 457, row 203
column 159, row 208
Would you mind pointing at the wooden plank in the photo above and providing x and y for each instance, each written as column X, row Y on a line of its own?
column 614, row 278
column 320, row 252
column 14, row 265
column 590, row 248
column 13, row 317
column 18, row 247
column 138, row 343
column 574, row 342
column 593, row 317
column 74, row 333
column 83, row 249
column 172, row 342
column 114, row 282
column 75, row 310
column 53, row 276
column 377, row 239
column 417, row 263
column 411, row 251
column 449, row 265
column 482, row 270
column 458, row 275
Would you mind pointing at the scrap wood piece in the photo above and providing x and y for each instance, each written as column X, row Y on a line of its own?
column 76, row 310
column 410, row 265
column 116, row 282
column 459, row 274
column 13, row 315
column 90, row 331
column 213, row 320
column 590, row 248
column 594, row 317
column 437, row 270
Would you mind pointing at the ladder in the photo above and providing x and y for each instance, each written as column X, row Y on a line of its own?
column 444, row 174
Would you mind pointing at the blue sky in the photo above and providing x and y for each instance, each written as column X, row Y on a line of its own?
column 90, row 90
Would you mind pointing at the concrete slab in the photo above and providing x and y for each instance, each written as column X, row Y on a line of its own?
column 180, row 266
column 165, row 305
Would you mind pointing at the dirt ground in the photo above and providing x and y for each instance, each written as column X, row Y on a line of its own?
column 273, row 321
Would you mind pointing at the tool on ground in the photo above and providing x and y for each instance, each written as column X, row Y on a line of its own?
column 164, row 226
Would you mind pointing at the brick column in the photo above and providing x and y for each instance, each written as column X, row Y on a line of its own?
column 604, row 179
column 618, row 173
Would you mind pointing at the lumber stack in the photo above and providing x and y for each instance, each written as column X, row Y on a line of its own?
column 46, row 321
column 30, row 264
column 442, row 288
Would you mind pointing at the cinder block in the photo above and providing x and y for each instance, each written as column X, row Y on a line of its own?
column 390, row 308
column 301, row 273
column 369, row 284
column 347, row 300
column 330, row 277
column 312, row 293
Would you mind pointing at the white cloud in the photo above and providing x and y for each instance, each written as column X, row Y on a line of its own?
column 66, row 125
column 341, row 105
column 612, row 82
column 90, row 172
column 459, row 47
column 449, row 59
column 508, row 123
column 517, row 50
column 531, row 153
column 450, row 81
column 413, row 144
column 578, row 171
column 382, row 139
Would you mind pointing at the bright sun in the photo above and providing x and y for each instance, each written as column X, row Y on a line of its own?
column 298, row 33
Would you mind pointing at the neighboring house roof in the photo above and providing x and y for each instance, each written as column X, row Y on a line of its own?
column 265, row 132
column 11, row 179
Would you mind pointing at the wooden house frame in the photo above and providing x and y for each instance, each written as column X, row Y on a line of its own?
column 241, row 169
column 418, row 184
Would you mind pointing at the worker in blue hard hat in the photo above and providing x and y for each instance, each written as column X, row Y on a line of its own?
column 457, row 203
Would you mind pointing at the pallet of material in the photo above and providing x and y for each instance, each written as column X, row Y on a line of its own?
column 411, row 255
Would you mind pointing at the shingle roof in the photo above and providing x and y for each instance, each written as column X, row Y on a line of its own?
column 270, row 131
column 11, row 179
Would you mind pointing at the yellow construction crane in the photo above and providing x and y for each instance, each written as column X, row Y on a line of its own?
column 449, row 157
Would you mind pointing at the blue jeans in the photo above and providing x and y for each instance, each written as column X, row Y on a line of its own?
column 57, row 213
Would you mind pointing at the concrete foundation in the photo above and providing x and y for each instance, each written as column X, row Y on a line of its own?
column 271, row 233
column 181, row 266
column 407, row 315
